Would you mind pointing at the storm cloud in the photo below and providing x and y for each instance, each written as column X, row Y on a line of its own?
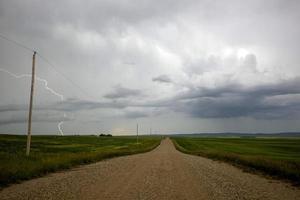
column 184, row 66
column 263, row 102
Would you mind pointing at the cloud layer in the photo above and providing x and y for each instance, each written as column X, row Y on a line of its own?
column 187, row 66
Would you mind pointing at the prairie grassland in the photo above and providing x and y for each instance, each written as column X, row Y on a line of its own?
column 52, row 153
column 278, row 157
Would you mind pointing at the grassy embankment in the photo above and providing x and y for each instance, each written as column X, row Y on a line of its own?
column 278, row 157
column 52, row 153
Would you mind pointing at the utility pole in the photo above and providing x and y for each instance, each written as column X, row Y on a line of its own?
column 30, row 105
column 137, row 133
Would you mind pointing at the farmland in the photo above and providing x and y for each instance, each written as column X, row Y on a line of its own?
column 52, row 153
column 278, row 157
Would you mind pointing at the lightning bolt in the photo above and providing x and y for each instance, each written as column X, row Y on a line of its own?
column 45, row 82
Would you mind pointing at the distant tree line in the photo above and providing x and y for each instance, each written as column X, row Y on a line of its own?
column 105, row 135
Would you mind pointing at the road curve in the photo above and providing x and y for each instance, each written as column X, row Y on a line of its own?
column 163, row 173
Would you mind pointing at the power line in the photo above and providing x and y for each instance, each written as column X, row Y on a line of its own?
column 16, row 43
column 46, row 60
column 64, row 76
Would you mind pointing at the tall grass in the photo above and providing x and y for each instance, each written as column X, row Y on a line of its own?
column 275, row 157
column 51, row 153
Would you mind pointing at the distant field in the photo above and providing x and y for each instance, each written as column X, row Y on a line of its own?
column 274, row 156
column 51, row 153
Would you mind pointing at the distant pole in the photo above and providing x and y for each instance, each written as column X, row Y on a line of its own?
column 137, row 133
column 30, row 105
column 150, row 131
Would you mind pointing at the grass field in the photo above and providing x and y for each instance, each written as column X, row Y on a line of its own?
column 278, row 157
column 52, row 153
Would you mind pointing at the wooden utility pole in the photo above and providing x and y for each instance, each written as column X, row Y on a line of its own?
column 137, row 133
column 30, row 105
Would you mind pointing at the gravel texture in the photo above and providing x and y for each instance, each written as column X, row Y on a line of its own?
column 163, row 173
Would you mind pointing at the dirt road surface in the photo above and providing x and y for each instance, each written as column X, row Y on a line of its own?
column 163, row 173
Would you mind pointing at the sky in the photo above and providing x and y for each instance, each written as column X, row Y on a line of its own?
column 171, row 66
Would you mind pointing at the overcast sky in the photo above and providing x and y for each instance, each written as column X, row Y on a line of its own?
column 176, row 66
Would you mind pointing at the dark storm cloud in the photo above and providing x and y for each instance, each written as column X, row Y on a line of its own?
column 241, row 107
column 233, row 100
column 122, row 92
column 236, row 89
column 162, row 78
column 240, row 101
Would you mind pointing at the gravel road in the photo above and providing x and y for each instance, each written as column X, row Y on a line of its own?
column 163, row 173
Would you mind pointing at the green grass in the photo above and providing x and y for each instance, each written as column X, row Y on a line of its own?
column 278, row 157
column 52, row 153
